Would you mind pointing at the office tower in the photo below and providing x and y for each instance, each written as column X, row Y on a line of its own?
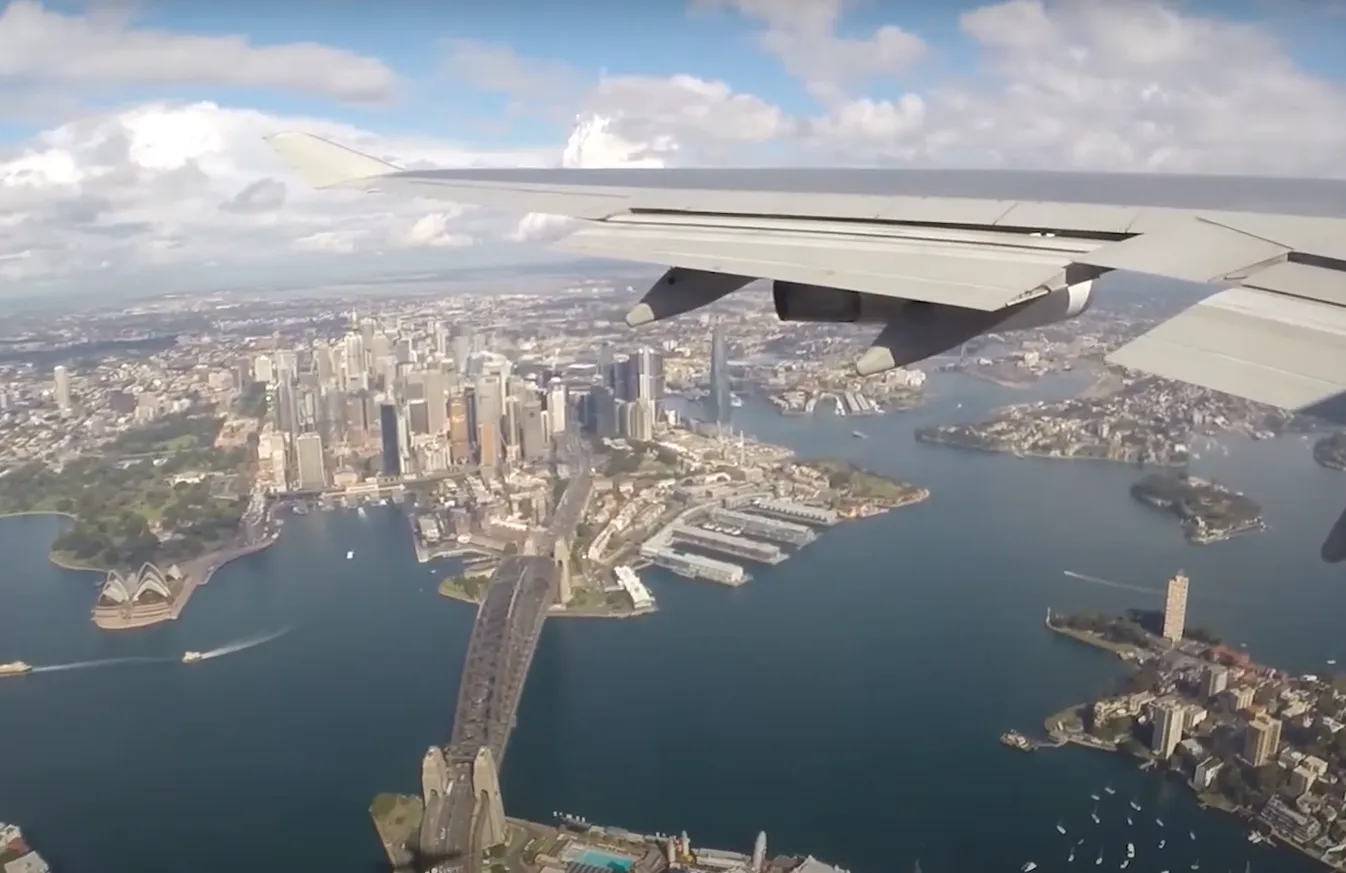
column 1214, row 680
column 287, row 366
column 1168, row 722
column 647, row 375
column 460, row 347
column 719, row 377
column 308, row 454
column 460, row 435
column 641, row 427
column 510, row 425
column 61, row 380
column 322, row 362
column 418, row 417
column 488, row 443
column 263, row 370
column 606, row 422
column 557, row 402
column 533, row 436
column 391, row 443
column 436, row 390
column 1175, row 608
column 1262, row 740
column 287, row 408
column 356, row 366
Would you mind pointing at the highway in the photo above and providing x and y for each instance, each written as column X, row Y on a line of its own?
column 499, row 655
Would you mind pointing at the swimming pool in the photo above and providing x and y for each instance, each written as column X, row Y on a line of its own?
column 595, row 858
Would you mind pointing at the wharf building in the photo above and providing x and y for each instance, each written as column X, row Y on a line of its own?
column 767, row 528
column 790, row 511
column 693, row 566
column 739, row 547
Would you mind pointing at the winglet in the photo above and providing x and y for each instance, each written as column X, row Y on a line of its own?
column 324, row 164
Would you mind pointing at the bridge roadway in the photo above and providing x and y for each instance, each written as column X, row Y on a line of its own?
column 499, row 654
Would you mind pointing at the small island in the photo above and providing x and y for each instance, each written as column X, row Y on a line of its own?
column 1260, row 743
column 1330, row 451
column 1209, row 512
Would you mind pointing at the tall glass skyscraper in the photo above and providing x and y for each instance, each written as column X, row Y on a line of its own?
column 719, row 401
column 392, row 448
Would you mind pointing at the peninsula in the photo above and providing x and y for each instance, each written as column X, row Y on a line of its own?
column 1261, row 743
column 1330, row 451
column 731, row 501
column 157, row 508
column 1142, row 420
column 1209, row 511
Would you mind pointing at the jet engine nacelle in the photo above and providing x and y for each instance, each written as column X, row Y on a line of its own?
column 915, row 330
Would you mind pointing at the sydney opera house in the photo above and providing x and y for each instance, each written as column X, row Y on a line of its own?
column 146, row 596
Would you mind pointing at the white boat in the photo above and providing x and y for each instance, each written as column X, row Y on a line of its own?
column 350, row 555
column 1135, row 806
column 1095, row 796
column 1109, row 789
column 1192, row 834
column 1100, row 858
column 1060, row 828
column 1030, row 866
column 1071, row 859
column 1161, row 843
column 1126, row 862
column 1130, row 850
column 189, row 657
column 1159, row 821
column 1094, row 816
column 1129, row 821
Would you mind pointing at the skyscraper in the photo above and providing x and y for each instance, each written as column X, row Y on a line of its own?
column 1168, row 722
column 312, row 474
column 392, row 447
column 61, row 378
column 1262, row 740
column 1175, row 608
column 719, row 377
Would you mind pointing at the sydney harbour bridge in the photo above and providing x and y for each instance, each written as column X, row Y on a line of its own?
column 464, row 814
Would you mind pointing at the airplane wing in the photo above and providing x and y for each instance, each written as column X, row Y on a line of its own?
column 940, row 256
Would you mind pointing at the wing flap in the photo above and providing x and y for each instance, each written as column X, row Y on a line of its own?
column 1191, row 250
column 1265, row 347
column 976, row 275
column 1301, row 280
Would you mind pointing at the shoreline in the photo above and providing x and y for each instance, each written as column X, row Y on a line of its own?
column 1043, row 456
column 1055, row 725
column 113, row 619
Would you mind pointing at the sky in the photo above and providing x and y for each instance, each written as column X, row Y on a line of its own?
column 131, row 131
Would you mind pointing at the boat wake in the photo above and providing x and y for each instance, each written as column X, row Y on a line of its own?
column 1094, row 580
column 244, row 644
column 101, row 662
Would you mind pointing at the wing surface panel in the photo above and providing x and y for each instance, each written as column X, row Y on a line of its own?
column 1265, row 347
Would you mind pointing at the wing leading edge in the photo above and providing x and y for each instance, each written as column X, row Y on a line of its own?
column 983, row 241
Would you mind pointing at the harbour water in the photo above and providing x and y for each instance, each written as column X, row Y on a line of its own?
column 848, row 701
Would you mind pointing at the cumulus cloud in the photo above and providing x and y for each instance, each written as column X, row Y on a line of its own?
column 1088, row 84
column 41, row 46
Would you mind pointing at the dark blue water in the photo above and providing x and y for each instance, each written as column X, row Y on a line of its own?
column 848, row 701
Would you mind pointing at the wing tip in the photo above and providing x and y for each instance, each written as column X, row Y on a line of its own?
column 323, row 163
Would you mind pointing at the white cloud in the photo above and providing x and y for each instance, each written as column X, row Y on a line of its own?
column 802, row 34
column 104, row 48
column 1092, row 84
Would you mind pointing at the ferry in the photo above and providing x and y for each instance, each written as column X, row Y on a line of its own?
column 15, row 668
column 190, row 657
column 350, row 555
column 1016, row 740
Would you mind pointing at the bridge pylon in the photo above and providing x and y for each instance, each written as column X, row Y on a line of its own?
column 489, row 810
